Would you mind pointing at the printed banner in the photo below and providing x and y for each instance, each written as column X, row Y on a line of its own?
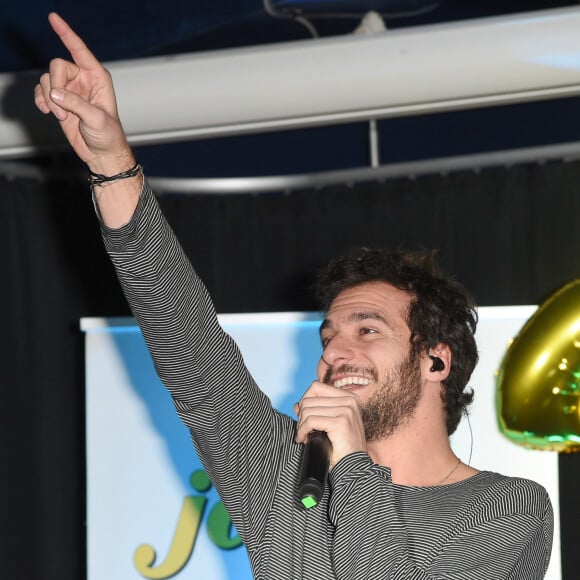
column 151, row 509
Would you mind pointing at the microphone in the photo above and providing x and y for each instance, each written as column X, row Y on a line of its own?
column 314, row 472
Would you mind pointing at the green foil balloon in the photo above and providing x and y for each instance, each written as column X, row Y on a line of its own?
column 538, row 382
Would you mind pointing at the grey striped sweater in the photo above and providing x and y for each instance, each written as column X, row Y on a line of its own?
column 487, row 527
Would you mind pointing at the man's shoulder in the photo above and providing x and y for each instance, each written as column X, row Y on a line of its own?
column 514, row 494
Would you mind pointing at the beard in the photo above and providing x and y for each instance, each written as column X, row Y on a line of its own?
column 394, row 402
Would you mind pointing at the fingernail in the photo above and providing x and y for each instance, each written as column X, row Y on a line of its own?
column 57, row 94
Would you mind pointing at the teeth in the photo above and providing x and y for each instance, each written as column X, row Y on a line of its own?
column 351, row 381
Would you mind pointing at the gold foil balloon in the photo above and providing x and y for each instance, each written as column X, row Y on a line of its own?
column 538, row 382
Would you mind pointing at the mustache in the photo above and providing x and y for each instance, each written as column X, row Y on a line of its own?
column 349, row 369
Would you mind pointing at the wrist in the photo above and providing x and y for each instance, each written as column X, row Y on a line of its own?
column 100, row 179
column 116, row 200
column 109, row 165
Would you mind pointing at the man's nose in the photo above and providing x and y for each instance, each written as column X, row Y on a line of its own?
column 337, row 351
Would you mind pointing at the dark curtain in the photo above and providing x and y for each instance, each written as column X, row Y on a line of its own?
column 511, row 235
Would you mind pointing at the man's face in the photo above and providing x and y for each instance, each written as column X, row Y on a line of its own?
column 366, row 350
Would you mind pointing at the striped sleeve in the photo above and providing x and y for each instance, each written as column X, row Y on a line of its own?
column 232, row 422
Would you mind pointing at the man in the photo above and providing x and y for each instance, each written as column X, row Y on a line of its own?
column 398, row 350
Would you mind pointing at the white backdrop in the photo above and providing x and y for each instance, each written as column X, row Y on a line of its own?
column 140, row 493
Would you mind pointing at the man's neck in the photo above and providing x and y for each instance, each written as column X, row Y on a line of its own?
column 419, row 456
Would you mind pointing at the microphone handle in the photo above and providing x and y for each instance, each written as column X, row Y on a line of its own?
column 315, row 464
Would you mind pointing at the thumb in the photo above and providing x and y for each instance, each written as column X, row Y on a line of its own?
column 89, row 129
column 67, row 102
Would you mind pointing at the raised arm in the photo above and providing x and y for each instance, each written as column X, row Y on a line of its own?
column 232, row 422
column 80, row 94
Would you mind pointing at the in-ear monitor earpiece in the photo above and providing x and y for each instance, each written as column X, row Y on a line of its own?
column 438, row 364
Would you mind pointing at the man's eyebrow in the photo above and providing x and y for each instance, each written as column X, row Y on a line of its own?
column 357, row 317
column 367, row 315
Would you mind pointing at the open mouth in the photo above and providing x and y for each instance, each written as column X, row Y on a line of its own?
column 351, row 382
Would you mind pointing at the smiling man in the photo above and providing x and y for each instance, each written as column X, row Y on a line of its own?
column 398, row 350
column 399, row 337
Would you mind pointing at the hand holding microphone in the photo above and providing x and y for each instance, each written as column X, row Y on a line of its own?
column 330, row 426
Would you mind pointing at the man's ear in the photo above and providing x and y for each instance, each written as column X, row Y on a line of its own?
column 438, row 362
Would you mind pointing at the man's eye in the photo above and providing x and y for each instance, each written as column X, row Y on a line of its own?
column 367, row 331
column 324, row 342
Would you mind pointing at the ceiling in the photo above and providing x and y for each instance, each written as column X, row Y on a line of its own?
column 131, row 29
column 127, row 29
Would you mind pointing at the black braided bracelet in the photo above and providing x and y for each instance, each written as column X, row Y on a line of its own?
column 99, row 178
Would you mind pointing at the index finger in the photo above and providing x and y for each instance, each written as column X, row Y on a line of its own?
column 79, row 51
column 320, row 389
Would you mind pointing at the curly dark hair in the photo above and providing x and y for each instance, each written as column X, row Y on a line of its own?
column 441, row 310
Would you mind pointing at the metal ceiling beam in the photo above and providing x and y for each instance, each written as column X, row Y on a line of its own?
column 562, row 153
column 410, row 71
